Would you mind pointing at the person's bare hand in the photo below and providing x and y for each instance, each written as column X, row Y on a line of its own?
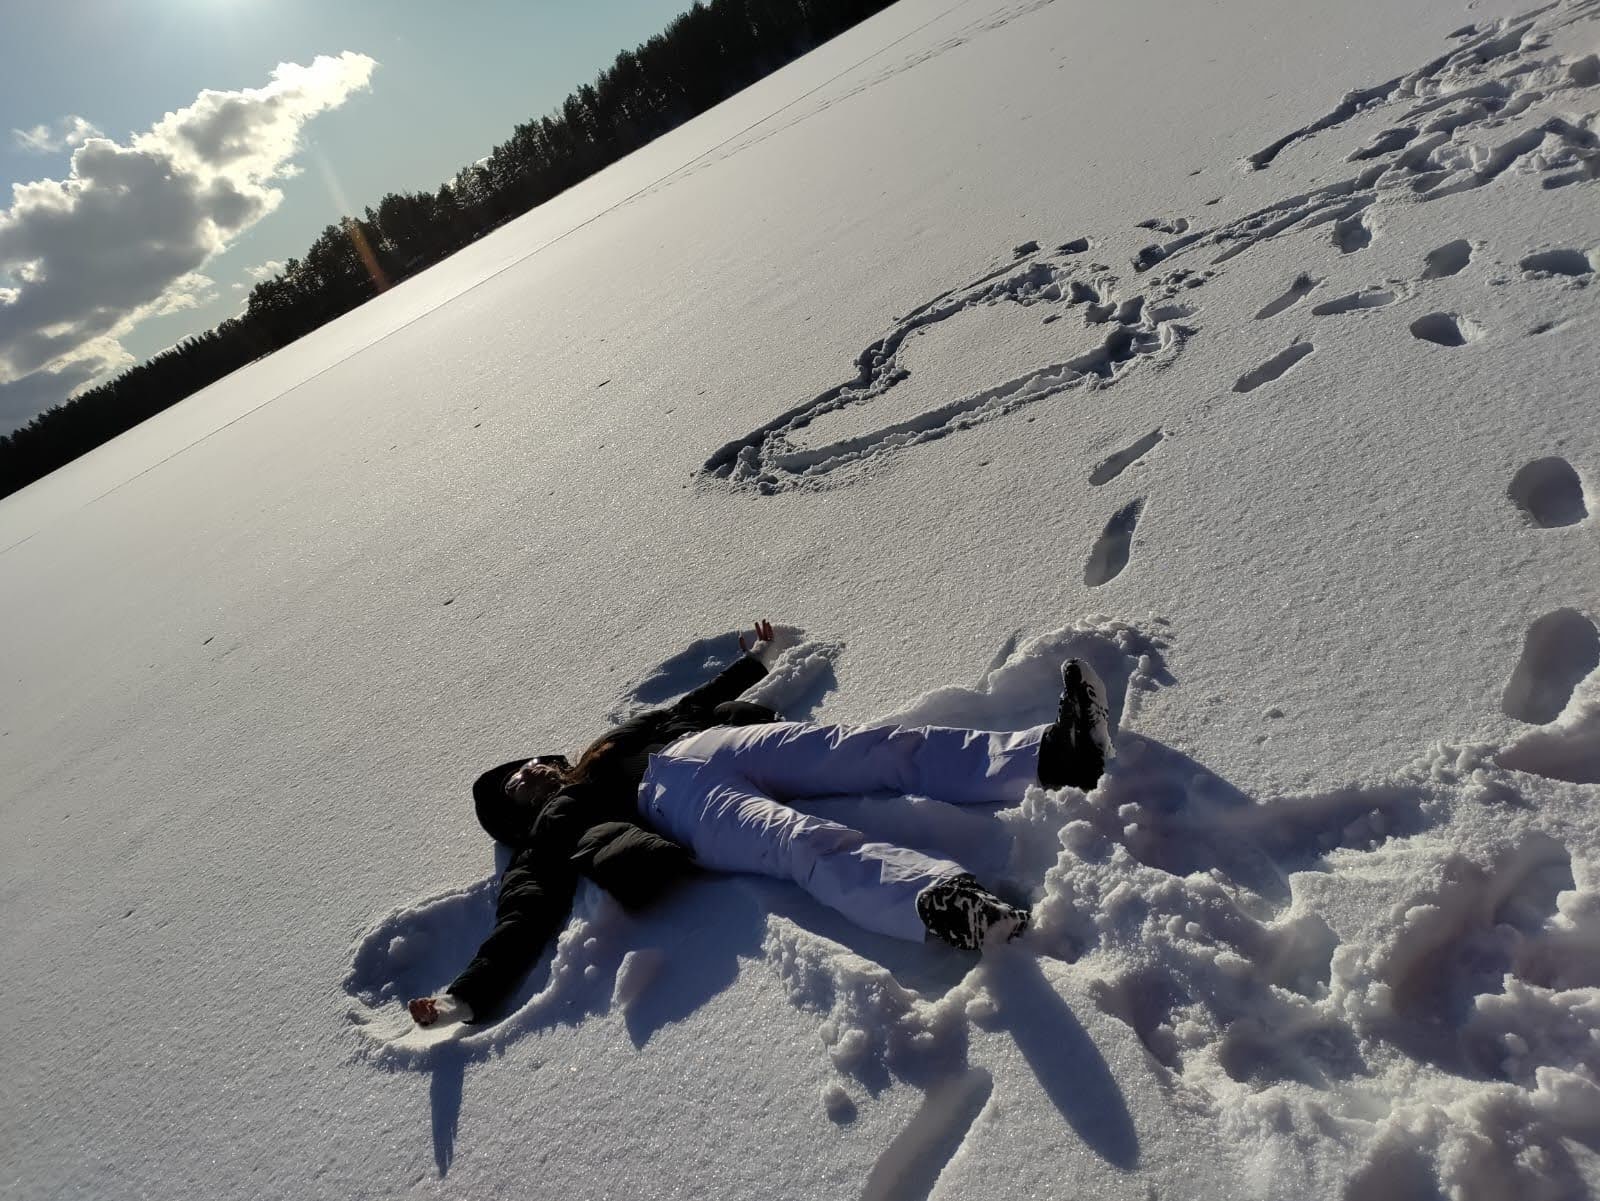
column 424, row 1010
column 763, row 630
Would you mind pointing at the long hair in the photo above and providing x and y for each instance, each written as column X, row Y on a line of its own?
column 586, row 765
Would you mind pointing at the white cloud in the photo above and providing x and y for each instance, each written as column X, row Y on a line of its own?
column 96, row 362
column 265, row 270
column 69, row 131
column 189, row 292
column 259, row 272
column 85, row 259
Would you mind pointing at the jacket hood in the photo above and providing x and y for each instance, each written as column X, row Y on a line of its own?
column 506, row 819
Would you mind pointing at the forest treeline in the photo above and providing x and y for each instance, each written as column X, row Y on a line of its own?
column 703, row 57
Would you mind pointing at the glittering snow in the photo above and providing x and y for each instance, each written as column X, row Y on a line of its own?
column 1246, row 350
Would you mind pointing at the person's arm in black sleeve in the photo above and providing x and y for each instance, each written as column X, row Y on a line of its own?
column 631, row 863
column 743, row 672
column 535, row 901
column 743, row 713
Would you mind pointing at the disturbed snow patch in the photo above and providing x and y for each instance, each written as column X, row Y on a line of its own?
column 1413, row 962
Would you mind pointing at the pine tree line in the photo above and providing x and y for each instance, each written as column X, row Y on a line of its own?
column 704, row 56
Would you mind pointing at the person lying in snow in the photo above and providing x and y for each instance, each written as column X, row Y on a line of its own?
column 701, row 783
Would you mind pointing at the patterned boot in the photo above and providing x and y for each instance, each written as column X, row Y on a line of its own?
column 961, row 912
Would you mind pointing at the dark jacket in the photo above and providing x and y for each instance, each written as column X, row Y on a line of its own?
column 591, row 828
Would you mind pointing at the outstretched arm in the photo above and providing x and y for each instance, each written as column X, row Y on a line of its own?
column 759, row 654
column 535, row 899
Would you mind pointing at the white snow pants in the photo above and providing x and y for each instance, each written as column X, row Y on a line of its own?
column 720, row 793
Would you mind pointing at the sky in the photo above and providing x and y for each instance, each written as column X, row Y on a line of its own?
column 159, row 156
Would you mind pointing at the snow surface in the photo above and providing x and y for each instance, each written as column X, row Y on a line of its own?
column 1247, row 349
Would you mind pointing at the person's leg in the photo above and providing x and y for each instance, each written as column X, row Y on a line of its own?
column 729, row 825
column 794, row 760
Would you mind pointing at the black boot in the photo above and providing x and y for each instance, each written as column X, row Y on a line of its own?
column 1074, row 750
column 961, row 912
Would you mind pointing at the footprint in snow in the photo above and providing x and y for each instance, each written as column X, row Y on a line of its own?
column 1549, row 263
column 1301, row 286
column 1560, row 649
column 1445, row 329
column 1449, row 259
column 1386, row 142
column 1115, row 464
column 1274, row 368
column 1367, row 298
column 1178, row 225
column 1549, row 492
column 1113, row 547
column 1352, row 234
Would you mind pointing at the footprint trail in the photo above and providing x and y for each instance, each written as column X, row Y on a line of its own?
column 1496, row 105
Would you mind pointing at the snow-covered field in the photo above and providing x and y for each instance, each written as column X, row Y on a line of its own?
column 1247, row 349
